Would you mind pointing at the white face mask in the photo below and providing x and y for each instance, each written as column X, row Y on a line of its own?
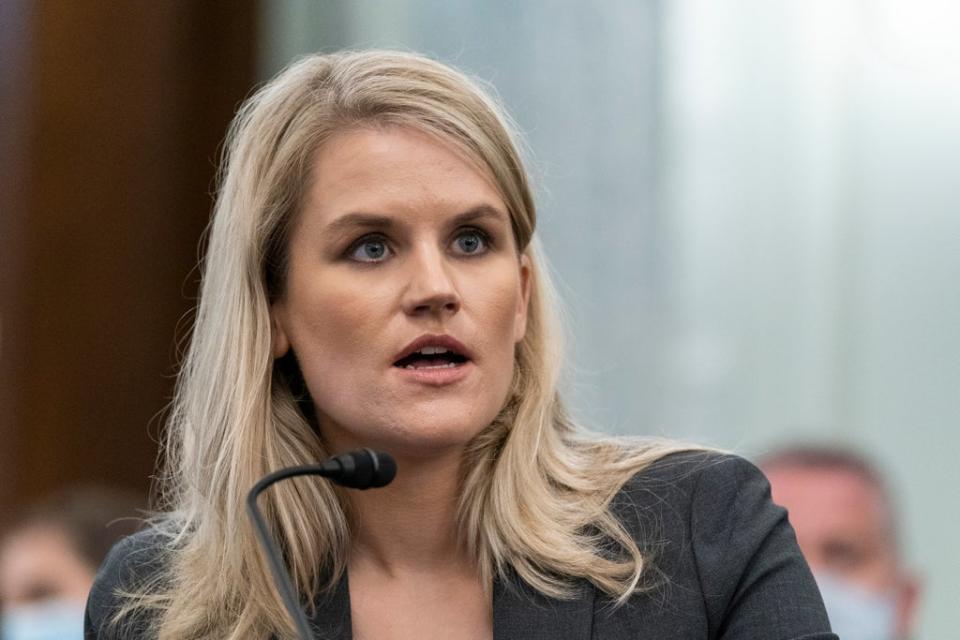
column 49, row 620
column 857, row 613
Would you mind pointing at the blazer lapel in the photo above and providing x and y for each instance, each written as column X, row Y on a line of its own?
column 521, row 613
column 331, row 619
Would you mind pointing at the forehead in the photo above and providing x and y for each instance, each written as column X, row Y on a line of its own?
column 822, row 500
column 394, row 170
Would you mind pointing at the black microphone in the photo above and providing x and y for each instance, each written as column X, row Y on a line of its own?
column 362, row 469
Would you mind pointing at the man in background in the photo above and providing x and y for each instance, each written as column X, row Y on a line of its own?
column 847, row 528
column 50, row 555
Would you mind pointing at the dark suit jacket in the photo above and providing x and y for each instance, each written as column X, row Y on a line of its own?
column 726, row 566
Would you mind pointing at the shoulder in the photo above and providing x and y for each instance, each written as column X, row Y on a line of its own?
column 133, row 565
column 685, row 469
column 697, row 485
column 713, row 507
column 719, row 546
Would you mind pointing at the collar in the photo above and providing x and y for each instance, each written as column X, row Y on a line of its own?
column 519, row 612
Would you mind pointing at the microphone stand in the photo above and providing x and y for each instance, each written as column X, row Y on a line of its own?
column 342, row 469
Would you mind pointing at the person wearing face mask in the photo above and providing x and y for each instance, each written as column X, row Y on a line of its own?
column 846, row 525
column 49, row 556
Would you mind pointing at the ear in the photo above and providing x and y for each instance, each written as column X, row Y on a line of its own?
column 523, row 302
column 907, row 601
column 279, row 342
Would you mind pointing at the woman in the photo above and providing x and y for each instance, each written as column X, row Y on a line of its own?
column 372, row 280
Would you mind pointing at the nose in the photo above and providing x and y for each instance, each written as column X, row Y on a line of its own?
column 430, row 290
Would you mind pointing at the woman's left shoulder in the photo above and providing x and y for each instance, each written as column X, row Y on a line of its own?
column 685, row 469
column 698, row 483
column 704, row 483
column 715, row 505
column 709, row 526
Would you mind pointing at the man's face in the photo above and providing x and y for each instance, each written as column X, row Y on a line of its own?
column 844, row 529
column 841, row 522
column 39, row 563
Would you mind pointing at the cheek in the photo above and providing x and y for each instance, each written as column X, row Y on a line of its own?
column 498, row 306
column 336, row 313
column 334, row 332
column 495, row 305
column 333, row 325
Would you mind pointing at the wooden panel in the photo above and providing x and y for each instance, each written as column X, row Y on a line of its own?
column 15, row 29
column 129, row 103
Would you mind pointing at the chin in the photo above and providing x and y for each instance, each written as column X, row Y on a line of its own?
column 421, row 434
column 408, row 427
column 429, row 437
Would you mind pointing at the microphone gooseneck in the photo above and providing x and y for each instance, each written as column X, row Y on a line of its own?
column 362, row 469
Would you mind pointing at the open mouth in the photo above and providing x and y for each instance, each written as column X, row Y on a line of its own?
column 431, row 358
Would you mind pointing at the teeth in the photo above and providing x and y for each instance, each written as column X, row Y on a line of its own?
column 429, row 351
column 449, row 365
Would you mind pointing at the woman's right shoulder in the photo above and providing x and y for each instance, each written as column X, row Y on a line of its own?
column 135, row 564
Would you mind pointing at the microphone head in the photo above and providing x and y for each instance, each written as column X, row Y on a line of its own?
column 365, row 469
column 385, row 470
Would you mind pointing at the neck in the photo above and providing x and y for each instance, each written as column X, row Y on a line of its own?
column 411, row 523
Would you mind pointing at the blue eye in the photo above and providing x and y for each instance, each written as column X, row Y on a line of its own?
column 370, row 250
column 472, row 242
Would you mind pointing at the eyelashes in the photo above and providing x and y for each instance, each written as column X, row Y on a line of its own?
column 374, row 248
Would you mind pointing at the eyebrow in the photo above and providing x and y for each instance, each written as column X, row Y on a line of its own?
column 363, row 219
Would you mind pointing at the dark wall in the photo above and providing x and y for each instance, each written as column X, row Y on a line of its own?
column 113, row 113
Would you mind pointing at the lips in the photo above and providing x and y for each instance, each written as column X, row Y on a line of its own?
column 432, row 352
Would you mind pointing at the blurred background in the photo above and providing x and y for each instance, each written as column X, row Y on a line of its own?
column 752, row 209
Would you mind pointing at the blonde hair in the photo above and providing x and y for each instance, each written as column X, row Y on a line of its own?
column 535, row 493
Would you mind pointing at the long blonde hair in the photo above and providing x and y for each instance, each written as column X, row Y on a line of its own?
column 535, row 492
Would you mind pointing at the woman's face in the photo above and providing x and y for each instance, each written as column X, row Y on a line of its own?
column 405, row 294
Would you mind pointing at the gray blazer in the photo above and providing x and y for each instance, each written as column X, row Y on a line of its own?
column 725, row 566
